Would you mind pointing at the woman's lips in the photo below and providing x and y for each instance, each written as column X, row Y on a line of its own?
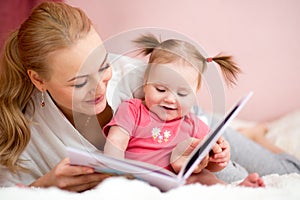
column 96, row 100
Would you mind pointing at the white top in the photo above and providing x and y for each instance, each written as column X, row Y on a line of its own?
column 51, row 132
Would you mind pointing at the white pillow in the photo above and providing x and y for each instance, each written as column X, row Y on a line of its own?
column 285, row 133
column 126, row 81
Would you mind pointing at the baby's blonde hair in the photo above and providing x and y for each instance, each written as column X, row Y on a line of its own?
column 50, row 27
column 173, row 50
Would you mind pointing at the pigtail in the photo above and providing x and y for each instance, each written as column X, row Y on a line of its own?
column 173, row 49
column 15, row 93
column 228, row 67
column 147, row 43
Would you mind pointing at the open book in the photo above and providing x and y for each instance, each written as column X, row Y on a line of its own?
column 155, row 175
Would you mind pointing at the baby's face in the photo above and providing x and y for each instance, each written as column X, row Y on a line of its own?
column 170, row 89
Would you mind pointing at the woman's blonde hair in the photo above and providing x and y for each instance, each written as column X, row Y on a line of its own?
column 174, row 50
column 50, row 27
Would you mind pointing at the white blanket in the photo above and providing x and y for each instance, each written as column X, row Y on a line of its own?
column 278, row 187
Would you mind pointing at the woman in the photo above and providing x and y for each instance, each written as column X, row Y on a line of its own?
column 40, row 75
column 54, row 77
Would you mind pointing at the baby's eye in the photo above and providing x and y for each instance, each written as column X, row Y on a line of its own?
column 160, row 89
column 182, row 94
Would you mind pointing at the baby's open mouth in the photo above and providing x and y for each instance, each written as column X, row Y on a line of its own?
column 168, row 108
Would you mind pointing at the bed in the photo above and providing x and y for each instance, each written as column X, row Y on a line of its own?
column 284, row 132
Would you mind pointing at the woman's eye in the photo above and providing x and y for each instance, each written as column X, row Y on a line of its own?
column 104, row 68
column 80, row 85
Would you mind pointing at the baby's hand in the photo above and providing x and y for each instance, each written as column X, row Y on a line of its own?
column 219, row 155
column 181, row 153
column 202, row 164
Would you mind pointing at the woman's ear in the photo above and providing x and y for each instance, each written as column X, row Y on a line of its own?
column 36, row 80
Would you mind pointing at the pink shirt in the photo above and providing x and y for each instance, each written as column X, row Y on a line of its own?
column 151, row 139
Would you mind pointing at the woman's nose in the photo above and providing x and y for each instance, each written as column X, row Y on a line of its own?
column 101, row 85
column 102, row 79
column 106, row 75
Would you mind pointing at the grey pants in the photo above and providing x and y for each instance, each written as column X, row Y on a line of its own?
column 248, row 157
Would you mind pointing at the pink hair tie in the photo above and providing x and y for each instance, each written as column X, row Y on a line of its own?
column 210, row 59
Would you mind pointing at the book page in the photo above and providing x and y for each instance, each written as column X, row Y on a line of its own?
column 154, row 175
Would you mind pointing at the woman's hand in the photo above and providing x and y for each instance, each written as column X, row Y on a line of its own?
column 219, row 155
column 181, row 153
column 72, row 178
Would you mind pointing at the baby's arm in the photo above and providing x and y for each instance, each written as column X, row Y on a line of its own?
column 219, row 156
column 116, row 142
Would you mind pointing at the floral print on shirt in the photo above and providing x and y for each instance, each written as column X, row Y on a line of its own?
column 159, row 137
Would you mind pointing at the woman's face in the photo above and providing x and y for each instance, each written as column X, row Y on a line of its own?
column 79, row 76
column 170, row 89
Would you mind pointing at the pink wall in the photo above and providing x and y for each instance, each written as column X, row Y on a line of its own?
column 264, row 37
column 10, row 20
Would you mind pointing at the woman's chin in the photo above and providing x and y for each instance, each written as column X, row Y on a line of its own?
column 92, row 110
column 99, row 108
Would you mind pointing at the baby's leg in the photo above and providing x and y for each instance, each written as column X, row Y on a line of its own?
column 252, row 180
column 232, row 172
column 205, row 177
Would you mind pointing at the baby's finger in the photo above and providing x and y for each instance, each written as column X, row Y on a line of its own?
column 222, row 164
column 216, row 149
column 220, row 140
column 224, row 145
column 197, row 169
column 217, row 160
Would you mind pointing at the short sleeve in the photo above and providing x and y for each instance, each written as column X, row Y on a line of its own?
column 125, row 116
